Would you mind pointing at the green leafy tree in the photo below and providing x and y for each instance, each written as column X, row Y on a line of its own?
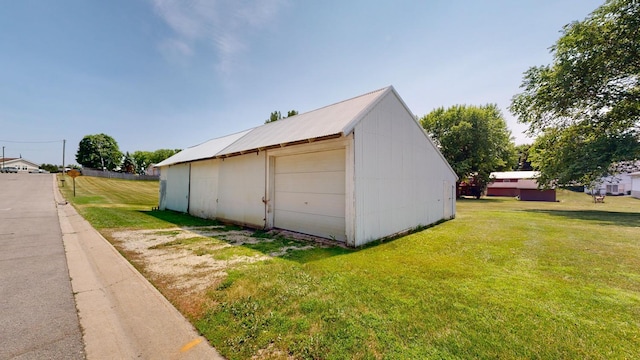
column 143, row 159
column 99, row 151
column 475, row 140
column 276, row 115
column 162, row 154
column 585, row 106
column 522, row 152
column 567, row 156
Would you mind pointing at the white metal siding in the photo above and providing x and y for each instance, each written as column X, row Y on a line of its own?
column 204, row 188
column 635, row 185
column 177, row 187
column 399, row 175
column 241, row 183
column 310, row 193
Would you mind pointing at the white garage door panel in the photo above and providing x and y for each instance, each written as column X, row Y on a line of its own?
column 319, row 204
column 310, row 193
column 318, row 182
column 313, row 162
column 324, row 226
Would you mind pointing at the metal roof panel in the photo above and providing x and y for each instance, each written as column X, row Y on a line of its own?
column 326, row 121
column 206, row 150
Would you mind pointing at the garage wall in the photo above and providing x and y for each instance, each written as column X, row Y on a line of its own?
column 401, row 181
column 241, row 187
column 175, row 187
column 204, row 188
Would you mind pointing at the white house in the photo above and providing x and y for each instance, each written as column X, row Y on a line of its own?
column 618, row 184
column 355, row 171
column 23, row 165
column 635, row 184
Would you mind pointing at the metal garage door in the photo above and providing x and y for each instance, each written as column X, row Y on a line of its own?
column 310, row 193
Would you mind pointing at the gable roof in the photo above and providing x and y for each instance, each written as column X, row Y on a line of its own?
column 11, row 161
column 330, row 121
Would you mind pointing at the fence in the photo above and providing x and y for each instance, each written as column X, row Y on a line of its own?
column 117, row 175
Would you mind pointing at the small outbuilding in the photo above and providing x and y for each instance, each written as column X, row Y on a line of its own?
column 355, row 171
column 520, row 184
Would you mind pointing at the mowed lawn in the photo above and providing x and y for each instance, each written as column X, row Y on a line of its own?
column 505, row 279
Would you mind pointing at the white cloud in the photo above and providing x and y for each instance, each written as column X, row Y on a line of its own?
column 223, row 24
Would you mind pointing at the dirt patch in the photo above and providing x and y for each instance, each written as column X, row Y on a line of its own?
column 185, row 262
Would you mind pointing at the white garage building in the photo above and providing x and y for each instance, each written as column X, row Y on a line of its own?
column 355, row 171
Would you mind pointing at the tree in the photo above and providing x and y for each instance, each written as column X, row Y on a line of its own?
column 523, row 164
column 99, row 151
column 573, row 155
column 586, row 104
column 162, row 154
column 128, row 165
column 142, row 159
column 474, row 140
column 276, row 115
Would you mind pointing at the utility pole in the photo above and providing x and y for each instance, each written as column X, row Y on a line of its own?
column 3, row 156
column 64, row 142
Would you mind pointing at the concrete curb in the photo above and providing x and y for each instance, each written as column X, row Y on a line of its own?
column 122, row 315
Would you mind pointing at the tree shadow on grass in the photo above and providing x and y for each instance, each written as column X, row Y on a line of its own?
column 629, row 219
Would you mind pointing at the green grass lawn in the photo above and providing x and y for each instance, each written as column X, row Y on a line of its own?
column 505, row 279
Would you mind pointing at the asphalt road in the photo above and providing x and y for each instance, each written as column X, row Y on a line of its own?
column 38, row 318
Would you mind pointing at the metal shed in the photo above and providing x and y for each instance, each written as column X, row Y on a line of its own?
column 355, row 171
column 521, row 184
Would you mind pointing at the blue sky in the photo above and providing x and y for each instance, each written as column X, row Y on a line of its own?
column 173, row 73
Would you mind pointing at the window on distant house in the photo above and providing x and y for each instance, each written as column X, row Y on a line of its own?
column 613, row 189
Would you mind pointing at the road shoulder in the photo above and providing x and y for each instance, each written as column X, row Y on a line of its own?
column 122, row 315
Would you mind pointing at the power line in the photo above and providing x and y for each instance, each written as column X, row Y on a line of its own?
column 31, row 142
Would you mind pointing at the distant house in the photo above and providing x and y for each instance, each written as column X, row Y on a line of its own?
column 23, row 165
column 355, row 171
column 152, row 170
column 618, row 184
column 635, row 184
column 520, row 184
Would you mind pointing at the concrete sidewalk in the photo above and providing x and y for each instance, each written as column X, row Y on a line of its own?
column 122, row 315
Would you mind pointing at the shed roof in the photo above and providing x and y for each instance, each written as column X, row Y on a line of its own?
column 515, row 175
column 334, row 120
